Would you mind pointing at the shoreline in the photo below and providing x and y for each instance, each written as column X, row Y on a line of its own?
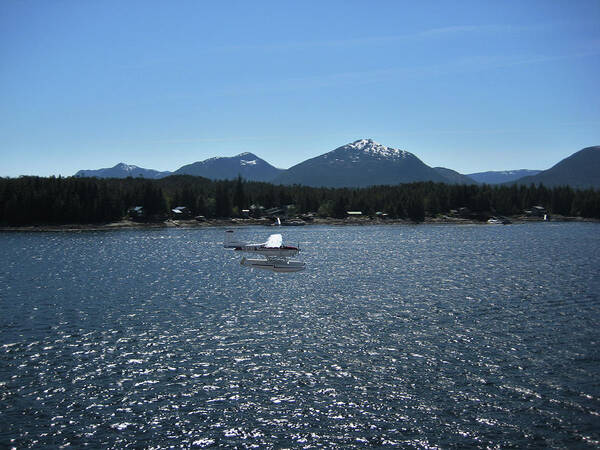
column 214, row 223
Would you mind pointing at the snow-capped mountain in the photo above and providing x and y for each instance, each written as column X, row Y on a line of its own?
column 360, row 163
column 504, row 176
column 248, row 165
column 123, row 170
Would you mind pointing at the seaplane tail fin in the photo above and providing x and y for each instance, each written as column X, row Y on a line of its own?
column 274, row 241
column 230, row 242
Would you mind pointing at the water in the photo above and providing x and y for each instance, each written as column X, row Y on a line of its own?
column 424, row 336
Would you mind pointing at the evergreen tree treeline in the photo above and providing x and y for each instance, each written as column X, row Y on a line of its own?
column 37, row 200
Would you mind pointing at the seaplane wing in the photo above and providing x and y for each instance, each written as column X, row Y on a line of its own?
column 274, row 241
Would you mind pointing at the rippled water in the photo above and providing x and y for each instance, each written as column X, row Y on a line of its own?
column 424, row 336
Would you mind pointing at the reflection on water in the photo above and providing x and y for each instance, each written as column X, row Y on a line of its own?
column 394, row 335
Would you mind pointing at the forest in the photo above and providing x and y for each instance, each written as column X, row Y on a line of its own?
column 31, row 200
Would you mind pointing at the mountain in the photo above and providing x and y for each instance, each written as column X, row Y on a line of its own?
column 123, row 170
column 453, row 177
column 361, row 163
column 499, row 177
column 248, row 165
column 580, row 170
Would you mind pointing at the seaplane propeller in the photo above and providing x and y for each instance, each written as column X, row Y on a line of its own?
column 275, row 254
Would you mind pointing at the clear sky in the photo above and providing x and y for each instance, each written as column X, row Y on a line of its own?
column 473, row 86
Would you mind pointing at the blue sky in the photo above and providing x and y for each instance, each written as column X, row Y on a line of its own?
column 472, row 86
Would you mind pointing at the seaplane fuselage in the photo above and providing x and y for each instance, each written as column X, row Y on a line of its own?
column 284, row 251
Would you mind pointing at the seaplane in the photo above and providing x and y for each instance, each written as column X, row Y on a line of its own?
column 276, row 255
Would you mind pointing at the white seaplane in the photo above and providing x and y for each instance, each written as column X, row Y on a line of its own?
column 276, row 254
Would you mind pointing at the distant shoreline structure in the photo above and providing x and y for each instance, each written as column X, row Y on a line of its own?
column 219, row 223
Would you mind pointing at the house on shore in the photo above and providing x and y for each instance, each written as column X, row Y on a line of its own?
column 536, row 211
column 181, row 213
column 136, row 213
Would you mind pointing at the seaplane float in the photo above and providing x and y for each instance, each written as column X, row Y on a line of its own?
column 276, row 255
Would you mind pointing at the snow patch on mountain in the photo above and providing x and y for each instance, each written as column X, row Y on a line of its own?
column 371, row 147
column 126, row 167
column 252, row 162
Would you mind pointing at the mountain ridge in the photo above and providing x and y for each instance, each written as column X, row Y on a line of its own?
column 365, row 162
column 247, row 165
column 122, row 170
column 501, row 176
column 580, row 170
column 454, row 177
